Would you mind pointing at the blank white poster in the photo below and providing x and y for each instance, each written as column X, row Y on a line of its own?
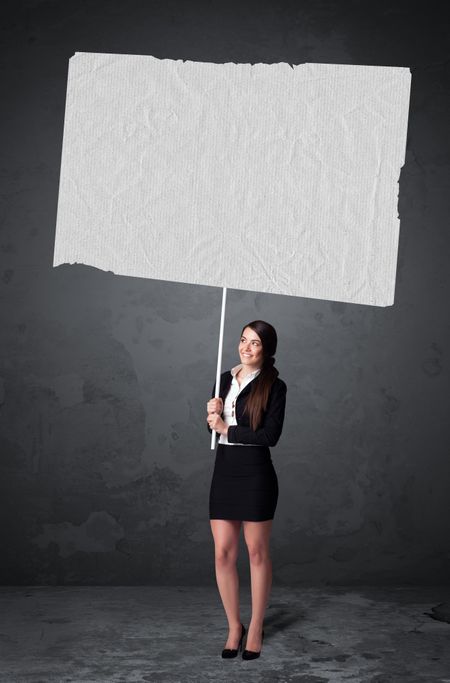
column 265, row 177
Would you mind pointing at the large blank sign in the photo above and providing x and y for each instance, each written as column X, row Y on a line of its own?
column 265, row 177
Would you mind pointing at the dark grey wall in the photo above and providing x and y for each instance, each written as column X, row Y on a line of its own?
column 105, row 456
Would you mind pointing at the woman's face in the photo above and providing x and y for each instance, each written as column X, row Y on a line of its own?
column 251, row 349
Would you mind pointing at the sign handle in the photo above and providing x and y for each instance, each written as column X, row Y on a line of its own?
column 219, row 358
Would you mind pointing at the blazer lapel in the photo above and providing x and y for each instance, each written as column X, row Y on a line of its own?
column 247, row 389
column 226, row 383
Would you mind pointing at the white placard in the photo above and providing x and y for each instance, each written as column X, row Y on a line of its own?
column 265, row 177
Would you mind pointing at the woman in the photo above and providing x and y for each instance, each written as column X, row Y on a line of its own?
column 249, row 417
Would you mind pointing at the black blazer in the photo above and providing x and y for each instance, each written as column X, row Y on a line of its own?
column 272, row 423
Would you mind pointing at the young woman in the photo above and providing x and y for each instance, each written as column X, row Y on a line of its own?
column 249, row 417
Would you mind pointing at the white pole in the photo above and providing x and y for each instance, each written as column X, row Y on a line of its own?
column 219, row 359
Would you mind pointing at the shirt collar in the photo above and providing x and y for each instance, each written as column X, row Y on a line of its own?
column 236, row 369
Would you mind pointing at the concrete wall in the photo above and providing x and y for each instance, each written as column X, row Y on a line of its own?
column 105, row 457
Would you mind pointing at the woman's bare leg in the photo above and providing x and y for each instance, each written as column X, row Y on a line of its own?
column 226, row 542
column 257, row 538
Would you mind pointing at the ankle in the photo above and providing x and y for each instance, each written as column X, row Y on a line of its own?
column 235, row 626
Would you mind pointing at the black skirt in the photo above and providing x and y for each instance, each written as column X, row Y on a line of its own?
column 244, row 484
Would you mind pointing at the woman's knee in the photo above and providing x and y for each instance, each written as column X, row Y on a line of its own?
column 258, row 553
column 226, row 556
column 226, row 541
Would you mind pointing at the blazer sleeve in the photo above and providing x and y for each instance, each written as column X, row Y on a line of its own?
column 269, row 432
column 212, row 396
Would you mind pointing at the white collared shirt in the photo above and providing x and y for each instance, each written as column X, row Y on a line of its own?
column 233, row 393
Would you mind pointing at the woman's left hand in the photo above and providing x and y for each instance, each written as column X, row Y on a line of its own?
column 215, row 422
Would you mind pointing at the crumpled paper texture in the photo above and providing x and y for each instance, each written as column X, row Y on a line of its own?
column 266, row 177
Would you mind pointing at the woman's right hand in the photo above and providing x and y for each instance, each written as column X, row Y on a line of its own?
column 215, row 405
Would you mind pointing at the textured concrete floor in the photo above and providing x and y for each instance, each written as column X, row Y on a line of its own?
column 176, row 634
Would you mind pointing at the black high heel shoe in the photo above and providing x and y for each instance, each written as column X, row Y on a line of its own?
column 229, row 653
column 250, row 654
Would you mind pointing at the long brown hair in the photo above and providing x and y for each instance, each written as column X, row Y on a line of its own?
column 258, row 397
